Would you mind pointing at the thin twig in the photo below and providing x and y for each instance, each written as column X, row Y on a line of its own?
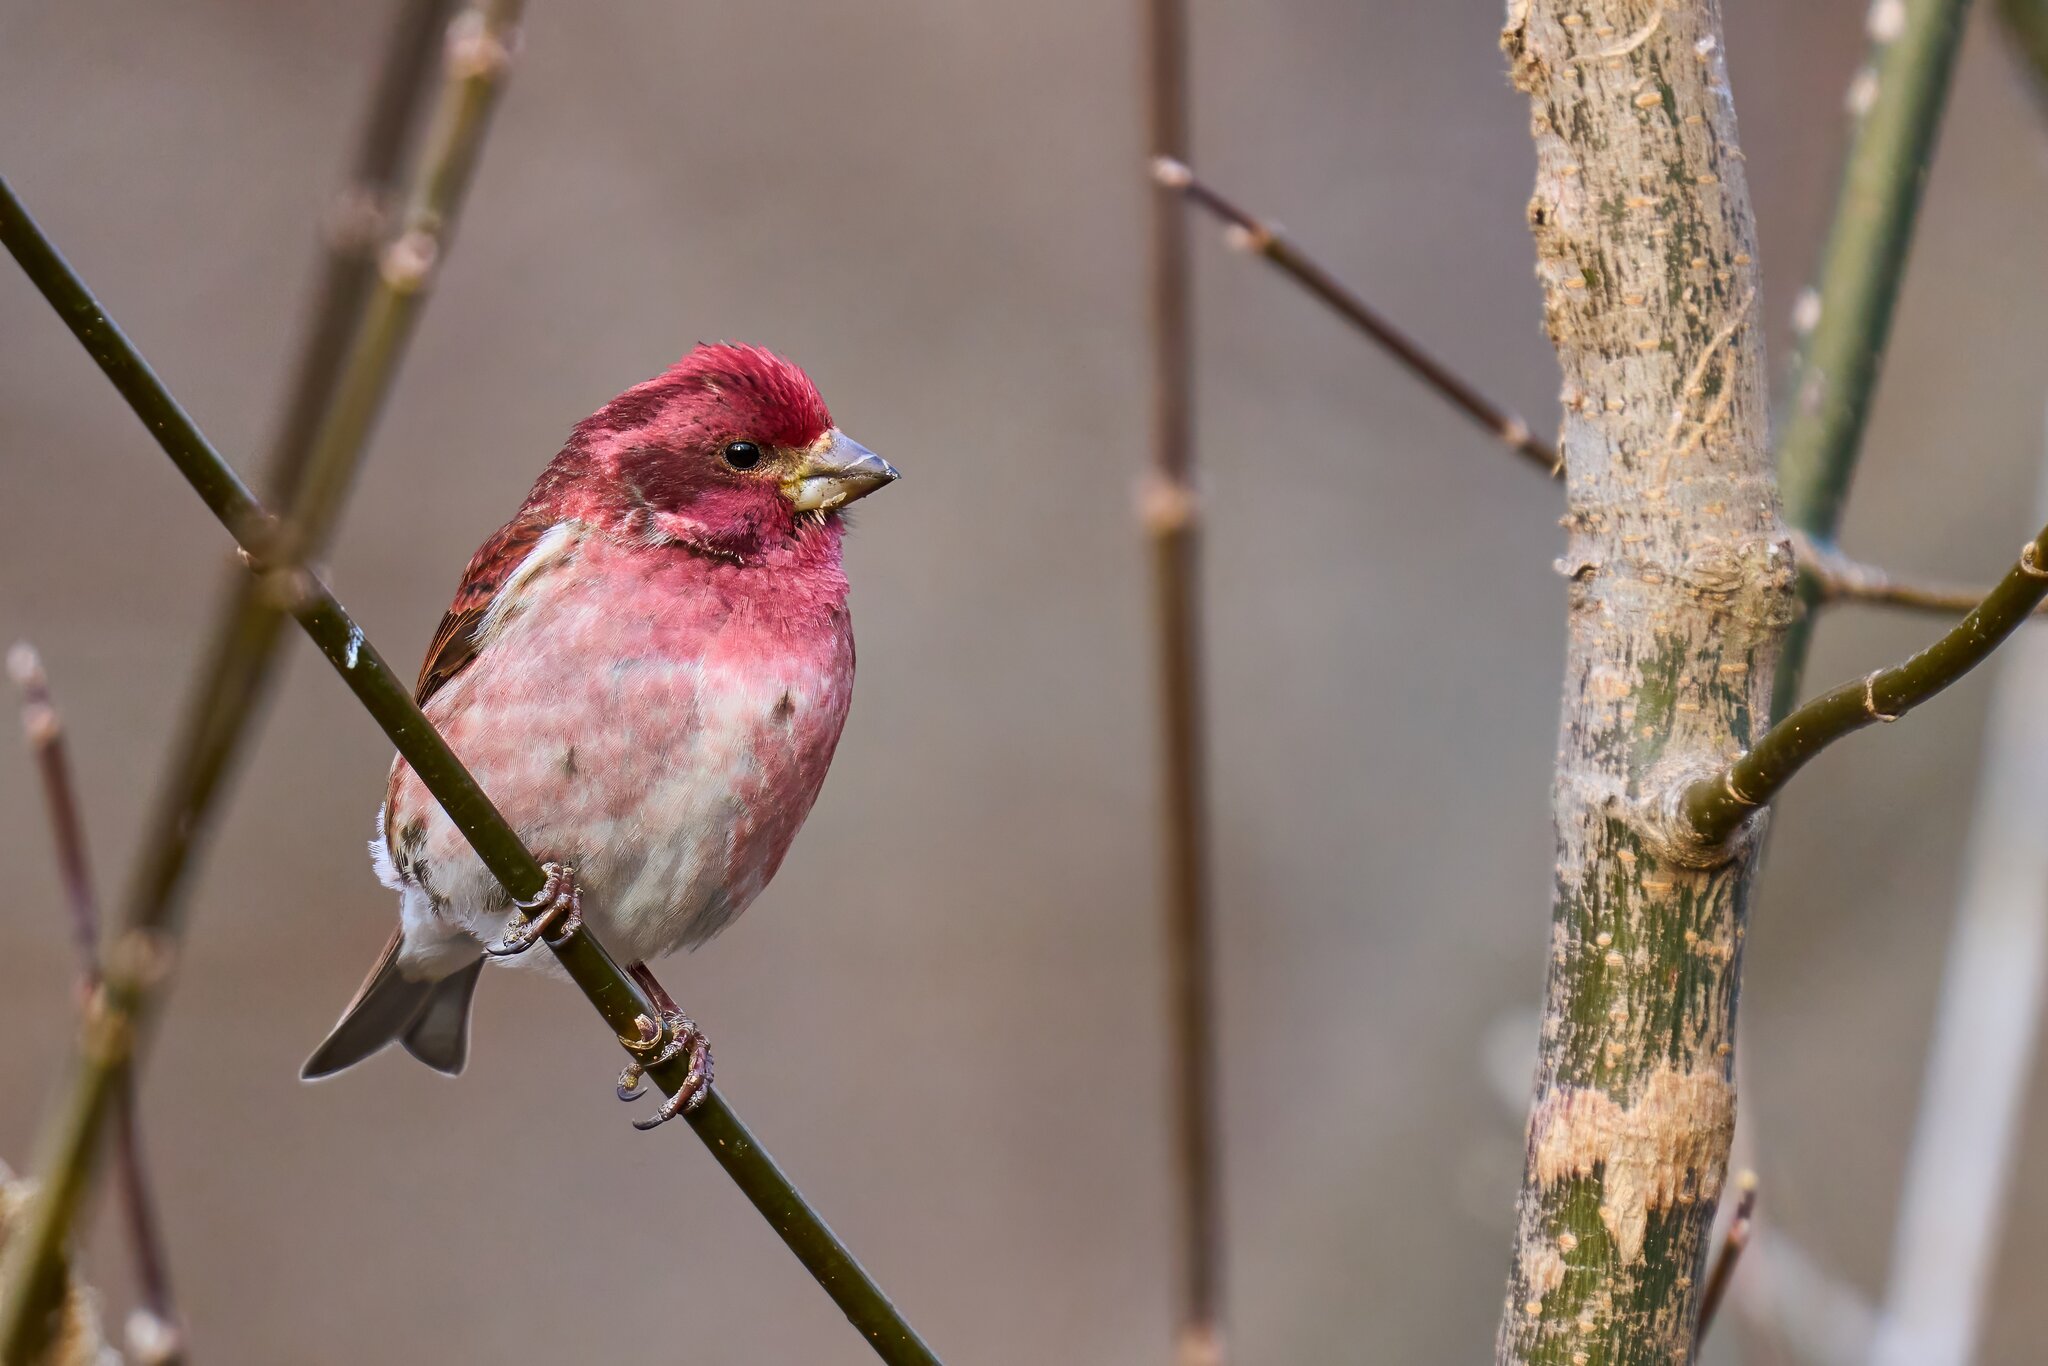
column 136, row 956
column 1731, row 1253
column 1715, row 806
column 1837, row 578
column 478, row 44
column 1898, row 99
column 1247, row 232
column 43, row 728
column 156, row 1335
column 1170, row 516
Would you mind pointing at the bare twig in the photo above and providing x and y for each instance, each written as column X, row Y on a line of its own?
column 1171, row 517
column 478, row 45
column 158, row 1328
column 136, row 958
column 1833, row 577
column 43, row 728
column 1263, row 237
column 1846, row 317
column 1715, row 806
column 1736, row 1239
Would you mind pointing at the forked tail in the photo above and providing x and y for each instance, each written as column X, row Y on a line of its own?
column 430, row 1019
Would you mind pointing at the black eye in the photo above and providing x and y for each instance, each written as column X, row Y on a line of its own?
column 743, row 455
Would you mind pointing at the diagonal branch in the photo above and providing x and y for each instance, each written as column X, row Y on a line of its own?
column 158, row 1325
column 136, row 958
column 1714, row 807
column 1264, row 238
column 1834, row 577
column 245, row 644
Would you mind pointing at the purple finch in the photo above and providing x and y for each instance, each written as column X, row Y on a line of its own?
column 647, row 669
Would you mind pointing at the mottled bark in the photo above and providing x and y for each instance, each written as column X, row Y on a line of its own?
column 1680, row 589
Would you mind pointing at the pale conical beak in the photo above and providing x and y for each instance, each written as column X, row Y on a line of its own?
column 835, row 472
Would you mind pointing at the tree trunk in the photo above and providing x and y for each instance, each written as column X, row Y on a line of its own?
column 1680, row 590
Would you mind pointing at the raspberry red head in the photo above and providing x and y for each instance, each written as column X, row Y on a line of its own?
column 725, row 390
column 731, row 450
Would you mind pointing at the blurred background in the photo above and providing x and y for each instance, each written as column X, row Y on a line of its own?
column 945, row 1016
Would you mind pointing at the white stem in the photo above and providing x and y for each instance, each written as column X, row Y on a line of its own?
column 1951, row 1207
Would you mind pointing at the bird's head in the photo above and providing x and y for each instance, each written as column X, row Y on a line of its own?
column 731, row 451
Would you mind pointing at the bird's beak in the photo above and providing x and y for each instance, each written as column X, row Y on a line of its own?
column 835, row 471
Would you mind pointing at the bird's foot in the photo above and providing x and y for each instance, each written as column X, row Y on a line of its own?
column 684, row 1039
column 558, row 907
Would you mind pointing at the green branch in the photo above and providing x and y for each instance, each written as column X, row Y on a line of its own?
column 1715, row 807
column 1899, row 97
column 1262, row 237
column 158, row 1322
column 136, row 957
column 318, row 466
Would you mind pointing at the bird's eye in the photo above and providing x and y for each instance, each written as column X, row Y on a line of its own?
column 743, row 455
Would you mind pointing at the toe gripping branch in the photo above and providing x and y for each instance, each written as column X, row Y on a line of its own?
column 556, row 912
column 674, row 1037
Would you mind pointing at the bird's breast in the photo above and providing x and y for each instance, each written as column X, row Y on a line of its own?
column 666, row 733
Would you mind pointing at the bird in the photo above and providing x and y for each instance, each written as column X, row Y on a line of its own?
column 647, row 669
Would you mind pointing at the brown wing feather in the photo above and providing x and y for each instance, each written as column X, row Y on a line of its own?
column 455, row 643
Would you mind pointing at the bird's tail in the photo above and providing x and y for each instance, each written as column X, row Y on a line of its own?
column 430, row 1018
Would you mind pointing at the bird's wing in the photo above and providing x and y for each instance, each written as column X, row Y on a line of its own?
column 459, row 638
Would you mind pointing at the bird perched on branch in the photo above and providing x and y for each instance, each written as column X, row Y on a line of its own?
column 647, row 669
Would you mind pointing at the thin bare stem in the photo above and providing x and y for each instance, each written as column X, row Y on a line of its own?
column 137, row 957
column 1846, row 318
column 1714, row 807
column 1170, row 515
column 43, row 728
column 161, row 1329
column 244, row 649
column 1262, row 237
column 1834, row 577
column 1731, row 1253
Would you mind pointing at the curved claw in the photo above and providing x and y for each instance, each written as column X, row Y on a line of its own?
column 692, row 1094
column 629, row 1087
column 684, row 1038
column 559, row 898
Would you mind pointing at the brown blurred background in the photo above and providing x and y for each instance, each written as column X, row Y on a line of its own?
column 944, row 1018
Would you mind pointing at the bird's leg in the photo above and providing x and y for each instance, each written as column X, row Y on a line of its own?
column 559, row 900
column 684, row 1038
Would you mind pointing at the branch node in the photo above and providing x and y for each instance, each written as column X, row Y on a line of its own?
column 475, row 52
column 2030, row 561
column 1172, row 174
column 1669, row 829
column 153, row 1340
column 1166, row 504
column 408, row 263
column 357, row 218
column 1869, row 706
column 1253, row 240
